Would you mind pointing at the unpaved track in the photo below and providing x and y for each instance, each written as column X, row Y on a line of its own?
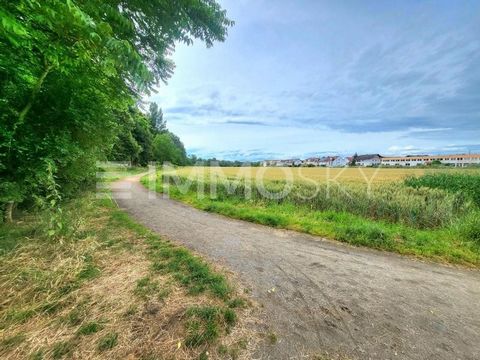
column 328, row 296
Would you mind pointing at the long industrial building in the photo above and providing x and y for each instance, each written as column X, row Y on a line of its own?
column 459, row 160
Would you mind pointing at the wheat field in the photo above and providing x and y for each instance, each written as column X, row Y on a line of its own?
column 318, row 174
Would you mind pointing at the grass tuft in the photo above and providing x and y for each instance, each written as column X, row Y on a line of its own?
column 62, row 349
column 89, row 328
column 107, row 342
column 13, row 341
column 202, row 326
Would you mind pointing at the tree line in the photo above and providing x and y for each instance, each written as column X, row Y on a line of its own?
column 71, row 75
column 145, row 138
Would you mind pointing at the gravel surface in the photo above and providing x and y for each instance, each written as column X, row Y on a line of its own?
column 322, row 296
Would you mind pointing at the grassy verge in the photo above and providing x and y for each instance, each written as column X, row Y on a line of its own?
column 450, row 243
column 111, row 171
column 107, row 287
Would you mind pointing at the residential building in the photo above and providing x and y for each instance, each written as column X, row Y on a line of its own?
column 313, row 161
column 324, row 161
column 340, row 161
column 282, row 163
column 368, row 160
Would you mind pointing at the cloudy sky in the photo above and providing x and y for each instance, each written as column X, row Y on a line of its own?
column 301, row 78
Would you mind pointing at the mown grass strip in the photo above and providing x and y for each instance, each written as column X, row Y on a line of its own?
column 50, row 292
column 205, row 324
column 190, row 270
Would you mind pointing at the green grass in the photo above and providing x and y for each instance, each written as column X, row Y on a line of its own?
column 107, row 342
column 12, row 236
column 455, row 242
column 62, row 349
column 113, row 172
column 190, row 270
column 206, row 323
column 146, row 288
column 12, row 341
column 89, row 328
column 202, row 325
column 52, row 293
column 467, row 184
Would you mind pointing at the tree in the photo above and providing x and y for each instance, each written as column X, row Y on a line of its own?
column 181, row 152
column 157, row 123
column 354, row 160
column 167, row 147
column 71, row 70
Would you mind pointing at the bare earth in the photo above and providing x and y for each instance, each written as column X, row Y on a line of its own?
column 322, row 296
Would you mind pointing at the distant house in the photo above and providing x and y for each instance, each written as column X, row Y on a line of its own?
column 368, row 160
column 282, row 163
column 327, row 160
column 313, row 161
column 340, row 161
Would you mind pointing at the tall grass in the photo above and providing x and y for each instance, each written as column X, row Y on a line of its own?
column 393, row 202
column 426, row 222
column 466, row 184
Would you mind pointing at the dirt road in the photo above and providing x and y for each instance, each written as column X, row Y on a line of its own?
column 328, row 296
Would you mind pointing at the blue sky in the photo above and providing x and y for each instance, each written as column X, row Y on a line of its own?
column 302, row 78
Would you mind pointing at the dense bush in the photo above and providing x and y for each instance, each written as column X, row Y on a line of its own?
column 72, row 74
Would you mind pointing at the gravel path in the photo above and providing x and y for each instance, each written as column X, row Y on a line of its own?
column 328, row 296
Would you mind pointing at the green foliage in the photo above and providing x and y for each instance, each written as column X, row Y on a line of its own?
column 50, row 200
column 167, row 147
column 456, row 241
column 157, row 122
column 465, row 184
column 420, row 208
column 371, row 235
column 470, row 228
column 70, row 74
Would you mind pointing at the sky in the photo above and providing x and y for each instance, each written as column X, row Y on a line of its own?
column 303, row 78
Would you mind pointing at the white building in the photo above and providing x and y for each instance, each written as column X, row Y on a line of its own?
column 458, row 160
column 320, row 161
column 340, row 161
column 313, row 161
column 368, row 160
column 282, row 163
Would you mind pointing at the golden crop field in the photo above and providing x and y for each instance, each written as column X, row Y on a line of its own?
column 318, row 174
